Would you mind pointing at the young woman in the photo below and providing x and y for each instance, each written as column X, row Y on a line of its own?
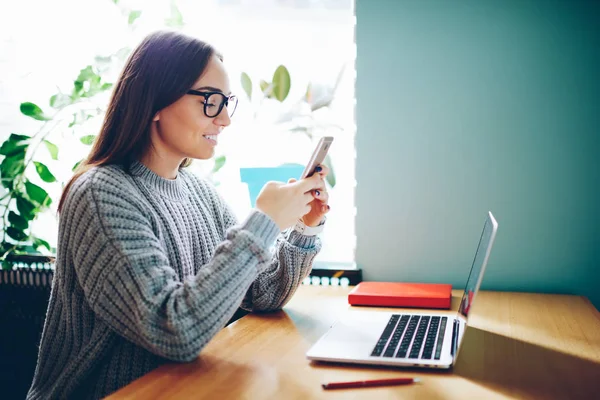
column 151, row 262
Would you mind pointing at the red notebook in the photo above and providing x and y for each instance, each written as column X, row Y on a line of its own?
column 400, row 294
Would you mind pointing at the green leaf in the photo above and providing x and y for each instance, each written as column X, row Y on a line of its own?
column 303, row 129
column 77, row 91
column 281, row 83
column 219, row 162
column 88, row 139
column 76, row 165
column 16, row 234
column 37, row 194
column 86, row 74
column 331, row 179
column 44, row 172
column 247, row 85
column 79, row 118
column 14, row 145
column 331, row 175
column 102, row 59
column 33, row 111
column 26, row 208
column 17, row 221
column 265, row 87
column 37, row 243
column 18, row 138
column 52, row 148
column 135, row 14
column 106, row 86
column 13, row 165
column 11, row 148
column 60, row 100
column 94, row 88
column 26, row 249
column 8, row 183
column 175, row 20
column 87, row 84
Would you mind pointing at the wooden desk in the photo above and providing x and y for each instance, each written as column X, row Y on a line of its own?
column 517, row 345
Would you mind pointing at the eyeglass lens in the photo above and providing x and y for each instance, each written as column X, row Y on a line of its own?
column 215, row 103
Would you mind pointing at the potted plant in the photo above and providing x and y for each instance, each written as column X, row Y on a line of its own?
column 301, row 118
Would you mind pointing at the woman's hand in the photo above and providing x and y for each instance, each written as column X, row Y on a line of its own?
column 286, row 203
column 319, row 205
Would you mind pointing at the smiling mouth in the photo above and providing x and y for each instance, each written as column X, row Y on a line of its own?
column 211, row 138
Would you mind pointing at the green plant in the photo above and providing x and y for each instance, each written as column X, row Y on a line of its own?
column 301, row 117
column 22, row 200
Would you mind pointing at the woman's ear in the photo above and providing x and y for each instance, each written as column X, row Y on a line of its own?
column 156, row 117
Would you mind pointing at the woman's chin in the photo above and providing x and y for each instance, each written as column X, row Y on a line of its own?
column 203, row 154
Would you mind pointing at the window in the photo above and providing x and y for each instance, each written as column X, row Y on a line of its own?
column 313, row 39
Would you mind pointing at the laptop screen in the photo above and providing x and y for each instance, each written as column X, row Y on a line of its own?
column 481, row 257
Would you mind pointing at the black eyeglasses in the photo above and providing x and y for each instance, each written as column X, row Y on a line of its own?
column 215, row 101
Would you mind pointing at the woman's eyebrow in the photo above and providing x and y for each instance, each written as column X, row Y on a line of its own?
column 211, row 89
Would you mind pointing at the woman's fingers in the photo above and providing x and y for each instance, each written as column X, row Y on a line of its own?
column 308, row 197
column 321, row 195
column 324, row 170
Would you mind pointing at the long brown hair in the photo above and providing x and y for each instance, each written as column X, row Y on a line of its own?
column 162, row 68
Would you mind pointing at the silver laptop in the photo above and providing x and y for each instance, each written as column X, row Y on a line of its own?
column 406, row 338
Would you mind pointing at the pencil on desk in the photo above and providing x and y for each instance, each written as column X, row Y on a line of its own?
column 370, row 383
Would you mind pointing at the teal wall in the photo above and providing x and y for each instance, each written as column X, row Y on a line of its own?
column 470, row 106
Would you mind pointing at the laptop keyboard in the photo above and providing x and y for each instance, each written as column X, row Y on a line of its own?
column 412, row 336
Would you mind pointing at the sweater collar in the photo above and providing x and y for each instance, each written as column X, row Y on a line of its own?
column 171, row 188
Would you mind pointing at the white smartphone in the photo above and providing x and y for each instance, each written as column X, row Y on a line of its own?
column 318, row 156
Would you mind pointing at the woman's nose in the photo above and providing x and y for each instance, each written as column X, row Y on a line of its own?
column 223, row 118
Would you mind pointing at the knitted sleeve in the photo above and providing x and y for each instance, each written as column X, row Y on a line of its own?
column 291, row 262
column 127, row 280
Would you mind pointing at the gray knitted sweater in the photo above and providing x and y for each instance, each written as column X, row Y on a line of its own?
column 148, row 270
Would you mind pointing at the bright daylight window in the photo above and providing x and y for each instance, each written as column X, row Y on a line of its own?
column 45, row 44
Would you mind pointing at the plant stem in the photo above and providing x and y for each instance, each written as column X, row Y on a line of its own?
column 41, row 140
column 3, row 256
column 4, row 215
